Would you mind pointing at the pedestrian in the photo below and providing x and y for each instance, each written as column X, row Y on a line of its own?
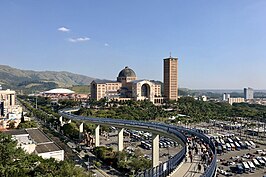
column 190, row 156
column 205, row 167
column 196, row 150
column 199, row 168
column 189, row 147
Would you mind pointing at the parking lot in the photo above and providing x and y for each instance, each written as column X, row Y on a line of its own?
column 230, row 159
column 238, row 156
column 141, row 140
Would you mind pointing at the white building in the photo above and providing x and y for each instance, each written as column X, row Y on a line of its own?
column 226, row 96
column 33, row 140
column 9, row 110
column 248, row 93
column 235, row 100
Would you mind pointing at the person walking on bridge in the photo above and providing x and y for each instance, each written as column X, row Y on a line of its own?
column 199, row 168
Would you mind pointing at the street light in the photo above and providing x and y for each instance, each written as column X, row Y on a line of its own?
column 88, row 167
column 36, row 107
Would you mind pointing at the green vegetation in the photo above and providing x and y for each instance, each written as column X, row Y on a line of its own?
column 31, row 81
column 133, row 110
column 71, row 130
column 27, row 124
column 81, row 89
column 14, row 162
column 194, row 110
column 123, row 161
column 12, row 124
column 45, row 112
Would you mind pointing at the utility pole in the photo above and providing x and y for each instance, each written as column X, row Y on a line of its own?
column 36, row 103
column 88, row 167
column 264, row 129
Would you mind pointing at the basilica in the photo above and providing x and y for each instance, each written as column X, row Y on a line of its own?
column 127, row 87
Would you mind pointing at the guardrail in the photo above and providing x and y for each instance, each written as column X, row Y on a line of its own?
column 163, row 169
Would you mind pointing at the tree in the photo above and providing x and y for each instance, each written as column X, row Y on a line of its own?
column 12, row 124
column 71, row 130
column 28, row 124
column 22, row 118
column 14, row 162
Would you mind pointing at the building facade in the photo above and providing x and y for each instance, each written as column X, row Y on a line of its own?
column 226, row 96
column 127, row 87
column 248, row 93
column 8, row 97
column 170, row 78
column 235, row 100
column 9, row 111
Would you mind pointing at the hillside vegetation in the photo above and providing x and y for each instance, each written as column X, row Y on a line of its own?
column 30, row 81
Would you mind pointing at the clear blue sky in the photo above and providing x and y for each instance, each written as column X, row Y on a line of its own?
column 220, row 44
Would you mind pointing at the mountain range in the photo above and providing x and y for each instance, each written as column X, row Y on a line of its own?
column 30, row 81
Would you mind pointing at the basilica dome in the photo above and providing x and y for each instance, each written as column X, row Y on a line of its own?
column 127, row 72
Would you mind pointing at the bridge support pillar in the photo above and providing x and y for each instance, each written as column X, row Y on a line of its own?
column 155, row 150
column 97, row 136
column 120, row 143
column 61, row 121
column 81, row 128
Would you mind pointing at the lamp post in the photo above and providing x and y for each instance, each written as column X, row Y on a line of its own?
column 36, row 102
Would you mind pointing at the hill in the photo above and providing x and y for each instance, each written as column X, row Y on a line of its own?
column 30, row 81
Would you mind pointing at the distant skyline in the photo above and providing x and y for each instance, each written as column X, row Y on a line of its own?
column 220, row 44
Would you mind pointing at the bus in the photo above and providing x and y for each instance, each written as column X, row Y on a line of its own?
column 224, row 148
column 233, row 147
column 252, row 166
column 228, row 147
column 218, row 142
column 243, row 145
column 230, row 140
column 253, row 145
column 246, row 167
column 238, row 147
column 237, row 139
column 261, row 161
column 222, row 141
column 256, row 163
column 248, row 144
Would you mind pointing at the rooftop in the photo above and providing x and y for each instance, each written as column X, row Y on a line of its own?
column 16, row 132
column 48, row 147
column 38, row 136
column 153, row 81
column 127, row 72
column 104, row 81
column 59, row 91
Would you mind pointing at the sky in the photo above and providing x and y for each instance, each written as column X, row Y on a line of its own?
column 219, row 44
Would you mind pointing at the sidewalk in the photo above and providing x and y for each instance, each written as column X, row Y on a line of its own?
column 189, row 169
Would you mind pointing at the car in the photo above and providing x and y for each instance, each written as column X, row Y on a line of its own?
column 237, row 169
column 228, row 163
column 259, row 151
column 246, row 156
column 225, row 173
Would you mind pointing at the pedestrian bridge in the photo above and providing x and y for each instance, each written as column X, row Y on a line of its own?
column 176, row 133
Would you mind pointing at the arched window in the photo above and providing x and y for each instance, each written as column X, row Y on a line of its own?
column 145, row 89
